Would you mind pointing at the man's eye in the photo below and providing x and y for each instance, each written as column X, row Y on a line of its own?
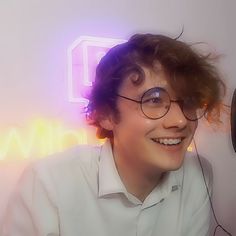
column 155, row 100
column 191, row 104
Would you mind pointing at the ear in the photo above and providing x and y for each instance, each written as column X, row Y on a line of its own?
column 107, row 122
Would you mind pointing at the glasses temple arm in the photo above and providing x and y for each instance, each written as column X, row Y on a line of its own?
column 129, row 99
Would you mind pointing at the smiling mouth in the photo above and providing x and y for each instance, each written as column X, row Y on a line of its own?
column 168, row 141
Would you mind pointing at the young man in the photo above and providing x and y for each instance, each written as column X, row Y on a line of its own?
column 146, row 100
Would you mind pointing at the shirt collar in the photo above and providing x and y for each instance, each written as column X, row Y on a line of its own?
column 109, row 180
column 168, row 184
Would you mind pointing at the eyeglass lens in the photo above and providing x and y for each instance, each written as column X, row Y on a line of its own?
column 156, row 102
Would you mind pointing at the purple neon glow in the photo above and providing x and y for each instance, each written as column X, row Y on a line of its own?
column 83, row 56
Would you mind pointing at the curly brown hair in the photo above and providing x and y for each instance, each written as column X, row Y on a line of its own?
column 191, row 75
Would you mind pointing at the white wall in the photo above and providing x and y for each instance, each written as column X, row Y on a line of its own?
column 35, row 35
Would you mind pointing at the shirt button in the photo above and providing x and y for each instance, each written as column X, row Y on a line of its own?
column 174, row 188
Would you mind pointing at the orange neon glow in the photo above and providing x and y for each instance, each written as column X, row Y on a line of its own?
column 42, row 138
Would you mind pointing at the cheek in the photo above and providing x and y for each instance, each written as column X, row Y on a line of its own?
column 129, row 114
column 133, row 123
column 134, row 127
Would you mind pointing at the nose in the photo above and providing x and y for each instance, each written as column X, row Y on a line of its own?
column 175, row 117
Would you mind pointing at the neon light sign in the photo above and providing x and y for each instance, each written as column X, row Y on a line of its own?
column 43, row 137
column 40, row 139
column 83, row 56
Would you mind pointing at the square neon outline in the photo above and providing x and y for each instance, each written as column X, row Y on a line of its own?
column 87, row 41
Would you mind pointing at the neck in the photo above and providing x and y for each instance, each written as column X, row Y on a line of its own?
column 138, row 179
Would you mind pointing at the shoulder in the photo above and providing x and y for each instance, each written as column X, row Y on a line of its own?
column 196, row 168
column 61, row 171
column 195, row 177
column 195, row 194
column 76, row 156
column 193, row 170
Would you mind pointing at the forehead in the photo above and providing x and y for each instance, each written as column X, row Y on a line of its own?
column 153, row 77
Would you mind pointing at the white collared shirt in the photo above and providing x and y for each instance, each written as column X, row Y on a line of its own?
column 79, row 193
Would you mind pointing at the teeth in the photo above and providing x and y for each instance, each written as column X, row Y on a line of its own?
column 169, row 141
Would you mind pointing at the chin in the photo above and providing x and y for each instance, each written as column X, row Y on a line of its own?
column 175, row 167
column 174, row 162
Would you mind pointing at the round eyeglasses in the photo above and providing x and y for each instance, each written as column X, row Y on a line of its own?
column 155, row 103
